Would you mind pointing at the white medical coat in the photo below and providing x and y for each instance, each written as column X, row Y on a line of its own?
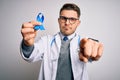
column 47, row 50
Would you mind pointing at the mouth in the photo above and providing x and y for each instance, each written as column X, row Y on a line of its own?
column 66, row 29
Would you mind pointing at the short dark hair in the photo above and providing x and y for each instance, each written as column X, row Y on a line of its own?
column 71, row 6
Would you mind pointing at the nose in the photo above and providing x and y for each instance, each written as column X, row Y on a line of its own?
column 67, row 21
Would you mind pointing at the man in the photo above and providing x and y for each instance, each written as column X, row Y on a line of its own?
column 64, row 55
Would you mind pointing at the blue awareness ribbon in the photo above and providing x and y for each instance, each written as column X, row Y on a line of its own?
column 40, row 18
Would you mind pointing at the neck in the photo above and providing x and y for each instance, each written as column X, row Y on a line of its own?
column 69, row 36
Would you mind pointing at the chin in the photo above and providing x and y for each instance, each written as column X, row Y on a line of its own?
column 67, row 33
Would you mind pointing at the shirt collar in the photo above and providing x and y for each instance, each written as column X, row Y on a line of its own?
column 69, row 37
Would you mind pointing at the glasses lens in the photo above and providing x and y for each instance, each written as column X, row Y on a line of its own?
column 71, row 20
column 63, row 19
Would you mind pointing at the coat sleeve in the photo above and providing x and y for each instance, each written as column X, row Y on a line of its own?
column 38, row 51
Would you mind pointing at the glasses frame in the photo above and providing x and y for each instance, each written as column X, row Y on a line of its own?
column 72, row 20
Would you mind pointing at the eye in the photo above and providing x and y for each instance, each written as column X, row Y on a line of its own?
column 72, row 19
column 63, row 18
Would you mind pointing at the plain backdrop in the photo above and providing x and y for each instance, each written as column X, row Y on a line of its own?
column 100, row 19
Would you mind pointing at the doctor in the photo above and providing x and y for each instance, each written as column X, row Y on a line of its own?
column 61, row 60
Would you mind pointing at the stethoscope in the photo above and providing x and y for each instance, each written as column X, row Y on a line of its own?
column 53, row 41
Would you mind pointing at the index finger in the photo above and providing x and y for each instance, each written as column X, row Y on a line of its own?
column 30, row 24
column 34, row 23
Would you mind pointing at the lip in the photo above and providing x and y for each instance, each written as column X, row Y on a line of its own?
column 65, row 28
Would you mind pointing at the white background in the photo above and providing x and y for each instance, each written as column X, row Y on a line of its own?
column 100, row 19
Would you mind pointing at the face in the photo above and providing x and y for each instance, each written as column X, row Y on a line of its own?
column 68, row 22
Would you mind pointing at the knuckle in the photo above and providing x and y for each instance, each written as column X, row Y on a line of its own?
column 101, row 46
column 35, row 23
column 25, row 38
column 27, row 25
column 96, row 43
column 99, row 55
column 93, row 55
column 22, row 31
column 24, row 24
column 32, row 35
column 87, row 55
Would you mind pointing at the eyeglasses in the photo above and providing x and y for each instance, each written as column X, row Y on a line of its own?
column 71, row 19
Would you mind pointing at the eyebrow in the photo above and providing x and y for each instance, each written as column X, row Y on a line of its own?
column 69, row 17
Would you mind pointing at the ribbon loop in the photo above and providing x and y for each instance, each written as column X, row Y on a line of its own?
column 40, row 18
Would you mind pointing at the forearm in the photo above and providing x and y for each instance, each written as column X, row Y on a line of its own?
column 27, row 50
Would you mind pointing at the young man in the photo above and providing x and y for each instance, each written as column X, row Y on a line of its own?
column 64, row 55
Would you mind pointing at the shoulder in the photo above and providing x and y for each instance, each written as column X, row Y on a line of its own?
column 81, row 36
